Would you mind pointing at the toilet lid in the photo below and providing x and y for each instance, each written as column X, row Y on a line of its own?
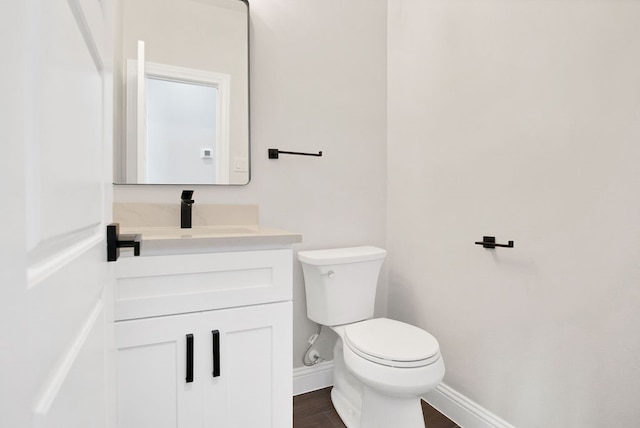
column 392, row 343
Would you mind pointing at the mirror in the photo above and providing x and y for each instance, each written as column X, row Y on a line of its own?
column 182, row 92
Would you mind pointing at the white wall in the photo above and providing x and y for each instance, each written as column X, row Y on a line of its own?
column 520, row 119
column 318, row 82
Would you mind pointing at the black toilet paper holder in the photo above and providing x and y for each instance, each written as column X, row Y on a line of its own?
column 490, row 242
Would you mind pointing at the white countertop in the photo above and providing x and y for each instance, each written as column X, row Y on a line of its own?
column 199, row 239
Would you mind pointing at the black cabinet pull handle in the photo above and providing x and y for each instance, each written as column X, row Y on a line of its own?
column 215, row 336
column 189, row 377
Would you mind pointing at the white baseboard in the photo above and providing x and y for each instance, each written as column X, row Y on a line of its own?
column 307, row 379
column 461, row 410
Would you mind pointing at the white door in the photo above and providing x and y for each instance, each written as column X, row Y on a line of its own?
column 55, row 171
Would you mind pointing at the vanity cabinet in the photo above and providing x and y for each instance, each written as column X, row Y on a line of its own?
column 161, row 383
column 172, row 309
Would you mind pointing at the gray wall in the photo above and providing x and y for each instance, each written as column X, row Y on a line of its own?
column 318, row 82
column 520, row 119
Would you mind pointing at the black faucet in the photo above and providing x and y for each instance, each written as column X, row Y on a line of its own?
column 185, row 209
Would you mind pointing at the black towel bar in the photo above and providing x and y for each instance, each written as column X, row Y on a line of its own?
column 275, row 153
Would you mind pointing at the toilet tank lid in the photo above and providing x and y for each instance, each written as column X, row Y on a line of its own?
column 341, row 255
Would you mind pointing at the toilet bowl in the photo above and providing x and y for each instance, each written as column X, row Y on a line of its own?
column 382, row 367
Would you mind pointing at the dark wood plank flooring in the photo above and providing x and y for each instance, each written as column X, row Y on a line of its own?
column 314, row 410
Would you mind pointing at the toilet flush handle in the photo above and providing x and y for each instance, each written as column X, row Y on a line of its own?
column 330, row 274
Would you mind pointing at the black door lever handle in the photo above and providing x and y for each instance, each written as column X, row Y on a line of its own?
column 115, row 241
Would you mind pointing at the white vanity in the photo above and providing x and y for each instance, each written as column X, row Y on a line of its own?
column 204, row 328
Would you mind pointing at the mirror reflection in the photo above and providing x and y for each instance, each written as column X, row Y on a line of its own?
column 181, row 124
column 182, row 114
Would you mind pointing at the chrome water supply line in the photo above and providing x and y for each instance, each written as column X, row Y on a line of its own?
column 312, row 357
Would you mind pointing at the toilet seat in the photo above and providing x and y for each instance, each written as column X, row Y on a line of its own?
column 392, row 343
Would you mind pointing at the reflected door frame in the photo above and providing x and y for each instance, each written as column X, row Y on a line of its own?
column 136, row 141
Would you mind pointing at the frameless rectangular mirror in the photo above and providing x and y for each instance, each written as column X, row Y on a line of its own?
column 182, row 92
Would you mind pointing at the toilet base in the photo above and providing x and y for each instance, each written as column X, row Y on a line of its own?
column 383, row 411
column 379, row 411
column 349, row 414
column 346, row 394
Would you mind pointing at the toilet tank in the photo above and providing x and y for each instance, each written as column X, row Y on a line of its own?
column 341, row 283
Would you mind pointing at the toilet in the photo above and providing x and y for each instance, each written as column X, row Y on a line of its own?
column 382, row 367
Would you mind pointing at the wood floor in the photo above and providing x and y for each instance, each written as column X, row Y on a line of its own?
column 314, row 410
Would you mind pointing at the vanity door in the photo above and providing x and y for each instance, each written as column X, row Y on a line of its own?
column 249, row 375
column 160, row 372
